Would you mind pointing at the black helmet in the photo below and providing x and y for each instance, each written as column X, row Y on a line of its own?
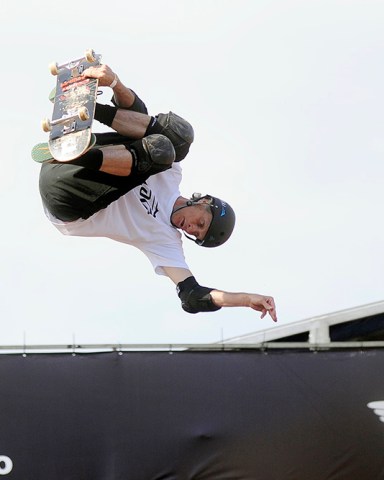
column 222, row 224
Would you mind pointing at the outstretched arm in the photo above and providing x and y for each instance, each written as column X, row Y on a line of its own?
column 261, row 303
column 195, row 298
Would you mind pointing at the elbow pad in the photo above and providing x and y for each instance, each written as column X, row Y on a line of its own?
column 195, row 298
column 137, row 106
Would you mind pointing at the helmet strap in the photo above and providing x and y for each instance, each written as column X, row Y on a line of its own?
column 189, row 203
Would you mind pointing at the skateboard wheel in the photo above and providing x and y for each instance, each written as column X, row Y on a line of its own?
column 46, row 125
column 90, row 55
column 54, row 68
column 83, row 113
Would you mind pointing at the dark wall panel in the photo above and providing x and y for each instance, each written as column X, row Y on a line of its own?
column 192, row 416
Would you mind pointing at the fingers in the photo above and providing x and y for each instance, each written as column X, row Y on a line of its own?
column 271, row 308
column 272, row 314
column 102, row 72
column 267, row 305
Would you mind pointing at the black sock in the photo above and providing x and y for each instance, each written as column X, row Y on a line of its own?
column 153, row 127
column 92, row 159
column 105, row 114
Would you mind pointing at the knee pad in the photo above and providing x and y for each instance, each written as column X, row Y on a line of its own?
column 179, row 131
column 152, row 154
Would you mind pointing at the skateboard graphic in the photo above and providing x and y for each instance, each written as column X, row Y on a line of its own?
column 41, row 152
column 74, row 107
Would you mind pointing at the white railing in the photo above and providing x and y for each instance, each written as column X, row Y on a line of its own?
column 177, row 347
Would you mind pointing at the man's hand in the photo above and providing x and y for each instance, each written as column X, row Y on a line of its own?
column 123, row 96
column 103, row 73
column 263, row 304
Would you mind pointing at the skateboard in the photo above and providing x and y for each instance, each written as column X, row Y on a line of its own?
column 42, row 154
column 74, row 107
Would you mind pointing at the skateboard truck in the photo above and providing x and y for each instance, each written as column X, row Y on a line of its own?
column 82, row 114
column 90, row 56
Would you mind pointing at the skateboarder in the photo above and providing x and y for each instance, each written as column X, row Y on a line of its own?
column 127, row 188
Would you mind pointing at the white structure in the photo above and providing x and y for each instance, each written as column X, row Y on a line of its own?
column 317, row 329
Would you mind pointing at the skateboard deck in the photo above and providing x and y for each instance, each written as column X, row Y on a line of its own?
column 73, row 110
column 42, row 154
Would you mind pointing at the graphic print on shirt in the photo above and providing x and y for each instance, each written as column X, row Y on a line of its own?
column 148, row 200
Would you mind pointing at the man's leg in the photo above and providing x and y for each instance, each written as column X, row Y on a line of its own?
column 117, row 160
column 137, row 125
column 149, row 155
column 125, row 122
column 178, row 130
column 80, row 188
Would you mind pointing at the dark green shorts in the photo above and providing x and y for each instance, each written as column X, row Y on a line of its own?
column 70, row 192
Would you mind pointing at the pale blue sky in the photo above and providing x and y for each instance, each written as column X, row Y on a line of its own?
column 286, row 99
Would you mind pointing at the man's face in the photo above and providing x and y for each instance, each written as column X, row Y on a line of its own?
column 194, row 220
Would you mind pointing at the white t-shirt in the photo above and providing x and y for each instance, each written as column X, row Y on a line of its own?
column 140, row 218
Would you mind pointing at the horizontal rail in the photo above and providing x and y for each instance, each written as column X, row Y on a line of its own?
column 173, row 347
